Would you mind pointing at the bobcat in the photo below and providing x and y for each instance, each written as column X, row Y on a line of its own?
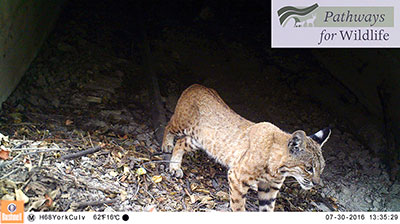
column 255, row 153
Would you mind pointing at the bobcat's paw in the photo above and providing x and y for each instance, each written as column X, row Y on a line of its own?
column 175, row 171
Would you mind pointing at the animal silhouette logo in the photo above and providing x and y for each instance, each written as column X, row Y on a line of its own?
column 290, row 16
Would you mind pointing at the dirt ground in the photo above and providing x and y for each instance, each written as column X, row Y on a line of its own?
column 88, row 89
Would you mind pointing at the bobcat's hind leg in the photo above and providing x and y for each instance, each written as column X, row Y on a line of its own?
column 181, row 146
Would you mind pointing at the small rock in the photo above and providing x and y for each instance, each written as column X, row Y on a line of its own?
column 93, row 99
column 150, row 208
column 109, row 209
column 376, row 204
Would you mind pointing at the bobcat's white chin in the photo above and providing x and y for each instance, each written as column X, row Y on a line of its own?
column 306, row 186
column 304, row 183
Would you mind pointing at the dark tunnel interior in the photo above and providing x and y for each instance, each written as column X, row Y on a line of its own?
column 110, row 74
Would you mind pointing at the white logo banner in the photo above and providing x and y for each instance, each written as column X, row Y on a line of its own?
column 332, row 23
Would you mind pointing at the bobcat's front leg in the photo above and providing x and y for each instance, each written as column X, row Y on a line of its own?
column 181, row 146
column 238, row 189
column 267, row 192
column 168, row 139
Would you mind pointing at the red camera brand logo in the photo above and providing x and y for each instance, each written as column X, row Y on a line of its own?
column 12, row 211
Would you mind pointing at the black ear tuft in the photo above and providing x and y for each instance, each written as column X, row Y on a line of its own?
column 295, row 143
column 321, row 136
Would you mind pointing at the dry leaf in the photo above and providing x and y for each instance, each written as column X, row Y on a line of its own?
column 37, row 204
column 68, row 122
column 202, row 190
column 123, row 137
column 150, row 208
column 193, row 186
column 4, row 154
column 29, row 166
column 113, row 173
column 4, row 139
column 205, row 199
column 68, row 170
column 10, row 183
column 53, row 194
column 8, row 197
column 141, row 171
column 156, row 179
column 20, row 196
column 74, row 205
column 222, row 195
column 193, row 199
column 126, row 169
column 49, row 201
column 65, row 196
column 123, row 195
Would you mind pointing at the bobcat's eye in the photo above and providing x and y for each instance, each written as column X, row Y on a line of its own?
column 309, row 169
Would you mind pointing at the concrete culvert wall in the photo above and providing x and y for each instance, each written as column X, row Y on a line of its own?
column 24, row 25
column 93, row 84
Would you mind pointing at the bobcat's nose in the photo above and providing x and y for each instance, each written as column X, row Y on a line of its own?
column 317, row 181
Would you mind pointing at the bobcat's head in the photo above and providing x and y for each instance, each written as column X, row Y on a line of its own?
column 305, row 161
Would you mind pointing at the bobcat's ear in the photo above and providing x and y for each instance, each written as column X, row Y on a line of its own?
column 321, row 136
column 295, row 143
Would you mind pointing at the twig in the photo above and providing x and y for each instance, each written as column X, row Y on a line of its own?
column 8, row 174
column 81, row 153
column 10, row 162
column 24, row 123
column 20, row 145
column 149, row 194
column 41, row 159
column 96, row 203
column 26, row 183
column 90, row 140
column 42, row 151
column 158, row 161
column 183, row 203
column 38, row 149
column 137, row 190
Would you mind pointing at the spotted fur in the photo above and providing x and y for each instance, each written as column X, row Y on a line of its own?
column 257, row 154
